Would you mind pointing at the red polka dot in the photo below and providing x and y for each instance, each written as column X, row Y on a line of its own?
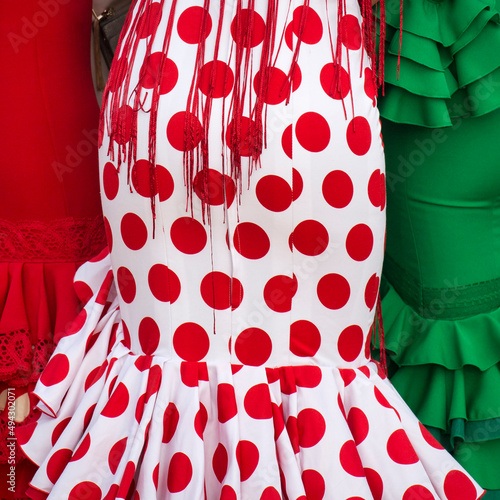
column 150, row 72
column 296, row 78
column 253, row 347
column 298, row 184
column 170, row 421
column 88, row 416
column 82, row 450
column 350, row 343
column 248, row 28
column 369, row 85
column 216, row 290
column 83, row 291
column 191, row 342
column 251, row 241
column 289, row 36
column 278, row 420
column 184, row 131
column 333, row 291
column 305, row 338
column 272, row 85
column 216, row 79
column 117, row 403
column 341, row 406
column 457, row 486
column 313, row 132
column 126, row 284
column 77, row 323
column 307, row 375
column 227, row 493
column 194, row 25
column 258, row 402
column 56, row 370
column 270, row 493
column 156, row 476
column 125, row 118
column 226, row 402
column 87, row 490
column 371, row 291
column 359, row 135
column 274, row 193
column 310, row 237
column 314, row 484
column 335, row 81
column 145, row 185
column 236, row 294
column 293, row 433
column 109, row 233
column 307, row 25
column 349, row 459
column 375, row 483
column 200, row 421
column 134, row 231
column 59, row 429
column 126, row 336
column 400, row 449
column 279, row 291
column 116, row 454
column 350, row 32
column 219, row 462
column 429, row 437
column 338, row 189
column 164, row 283
column 286, row 141
column 180, row 472
column 188, row 235
column 110, row 181
column 376, row 191
column 418, row 492
column 127, row 483
column 150, row 19
column 247, row 456
column 359, row 242
column 149, row 335
column 214, row 188
column 57, row 463
column 312, row 427
column 358, row 424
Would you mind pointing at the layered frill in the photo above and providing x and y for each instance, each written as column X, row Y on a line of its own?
column 456, row 364
column 118, row 424
column 38, row 302
column 444, row 65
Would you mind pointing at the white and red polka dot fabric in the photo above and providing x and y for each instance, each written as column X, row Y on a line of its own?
column 230, row 360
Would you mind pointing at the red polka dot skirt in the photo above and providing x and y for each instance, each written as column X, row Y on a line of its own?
column 224, row 349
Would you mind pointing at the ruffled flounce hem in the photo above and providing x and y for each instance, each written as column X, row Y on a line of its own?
column 447, row 69
column 118, row 424
column 448, row 372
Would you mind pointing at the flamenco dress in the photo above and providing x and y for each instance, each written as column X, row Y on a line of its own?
column 50, row 213
column 442, row 266
column 225, row 351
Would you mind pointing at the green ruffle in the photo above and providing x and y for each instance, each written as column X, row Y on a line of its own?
column 448, row 66
column 448, row 372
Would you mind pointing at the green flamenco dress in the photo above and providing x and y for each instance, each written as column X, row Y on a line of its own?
column 441, row 283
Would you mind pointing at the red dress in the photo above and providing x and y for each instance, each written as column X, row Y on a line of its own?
column 50, row 214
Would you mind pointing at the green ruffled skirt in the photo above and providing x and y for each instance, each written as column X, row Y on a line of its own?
column 441, row 286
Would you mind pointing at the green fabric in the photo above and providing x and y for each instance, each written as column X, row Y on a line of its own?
column 441, row 286
column 448, row 60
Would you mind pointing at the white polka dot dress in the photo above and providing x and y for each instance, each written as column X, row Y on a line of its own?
column 224, row 349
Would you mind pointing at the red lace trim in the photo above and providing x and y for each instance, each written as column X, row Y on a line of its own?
column 61, row 240
column 121, row 103
column 21, row 363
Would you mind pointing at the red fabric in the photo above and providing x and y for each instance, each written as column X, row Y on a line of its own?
column 49, row 114
column 50, row 214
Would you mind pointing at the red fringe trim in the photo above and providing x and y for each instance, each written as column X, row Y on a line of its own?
column 120, row 104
